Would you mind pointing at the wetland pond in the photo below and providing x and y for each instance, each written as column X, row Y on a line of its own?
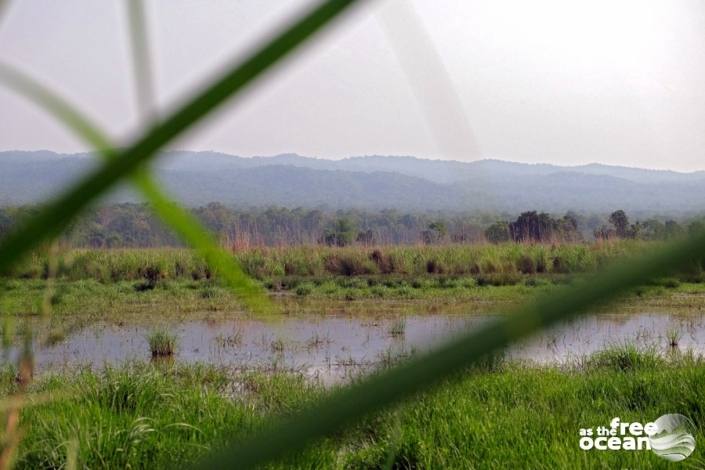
column 332, row 348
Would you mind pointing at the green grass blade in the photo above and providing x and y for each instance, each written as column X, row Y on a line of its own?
column 56, row 215
column 183, row 222
column 4, row 5
column 186, row 226
column 190, row 230
column 141, row 63
column 59, row 108
column 350, row 404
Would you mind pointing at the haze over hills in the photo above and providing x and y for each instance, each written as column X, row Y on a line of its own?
column 374, row 182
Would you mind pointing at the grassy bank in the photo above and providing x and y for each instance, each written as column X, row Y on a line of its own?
column 121, row 299
column 162, row 417
column 481, row 277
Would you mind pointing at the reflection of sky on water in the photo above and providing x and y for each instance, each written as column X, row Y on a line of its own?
column 338, row 346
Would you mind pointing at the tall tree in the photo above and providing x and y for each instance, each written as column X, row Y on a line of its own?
column 620, row 222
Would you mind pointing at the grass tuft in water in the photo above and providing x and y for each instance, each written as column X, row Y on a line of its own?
column 398, row 328
column 162, row 343
column 625, row 358
column 673, row 336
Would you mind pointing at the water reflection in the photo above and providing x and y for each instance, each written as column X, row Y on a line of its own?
column 335, row 347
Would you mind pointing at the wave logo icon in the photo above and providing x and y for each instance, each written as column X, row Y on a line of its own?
column 674, row 437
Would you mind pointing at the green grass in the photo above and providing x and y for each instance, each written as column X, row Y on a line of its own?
column 477, row 260
column 490, row 264
column 162, row 343
column 148, row 416
column 624, row 358
column 411, row 272
column 127, row 300
column 506, row 416
column 88, row 298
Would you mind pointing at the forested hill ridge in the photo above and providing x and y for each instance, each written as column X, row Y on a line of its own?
column 374, row 182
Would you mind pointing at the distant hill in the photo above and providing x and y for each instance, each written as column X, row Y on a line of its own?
column 374, row 182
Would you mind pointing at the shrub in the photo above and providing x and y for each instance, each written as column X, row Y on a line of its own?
column 434, row 267
column 558, row 265
column 541, row 264
column 348, row 264
column 525, row 265
column 383, row 262
column 304, row 290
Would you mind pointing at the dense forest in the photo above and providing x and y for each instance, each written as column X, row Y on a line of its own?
column 134, row 225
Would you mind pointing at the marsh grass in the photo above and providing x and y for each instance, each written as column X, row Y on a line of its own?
column 277, row 346
column 162, row 343
column 84, row 299
column 55, row 336
column 233, row 340
column 389, row 358
column 398, row 328
column 491, row 263
column 147, row 416
column 468, row 260
column 625, row 358
column 673, row 337
column 317, row 341
column 141, row 416
column 466, row 269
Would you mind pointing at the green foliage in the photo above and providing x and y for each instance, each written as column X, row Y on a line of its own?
column 695, row 227
column 149, row 417
column 136, row 226
column 541, row 227
column 153, row 265
column 156, row 417
column 672, row 229
column 342, row 233
column 436, row 232
column 304, row 289
column 620, row 222
column 498, row 232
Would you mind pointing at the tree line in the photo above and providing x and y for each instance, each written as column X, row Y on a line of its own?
column 134, row 225
column 543, row 228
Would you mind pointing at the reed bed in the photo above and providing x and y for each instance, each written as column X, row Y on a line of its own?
column 499, row 416
column 486, row 261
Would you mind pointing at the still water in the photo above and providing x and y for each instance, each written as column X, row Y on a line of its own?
column 333, row 347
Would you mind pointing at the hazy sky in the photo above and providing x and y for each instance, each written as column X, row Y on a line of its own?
column 611, row 81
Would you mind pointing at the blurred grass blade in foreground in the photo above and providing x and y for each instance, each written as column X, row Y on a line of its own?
column 141, row 63
column 349, row 405
column 186, row 226
column 181, row 220
column 56, row 215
